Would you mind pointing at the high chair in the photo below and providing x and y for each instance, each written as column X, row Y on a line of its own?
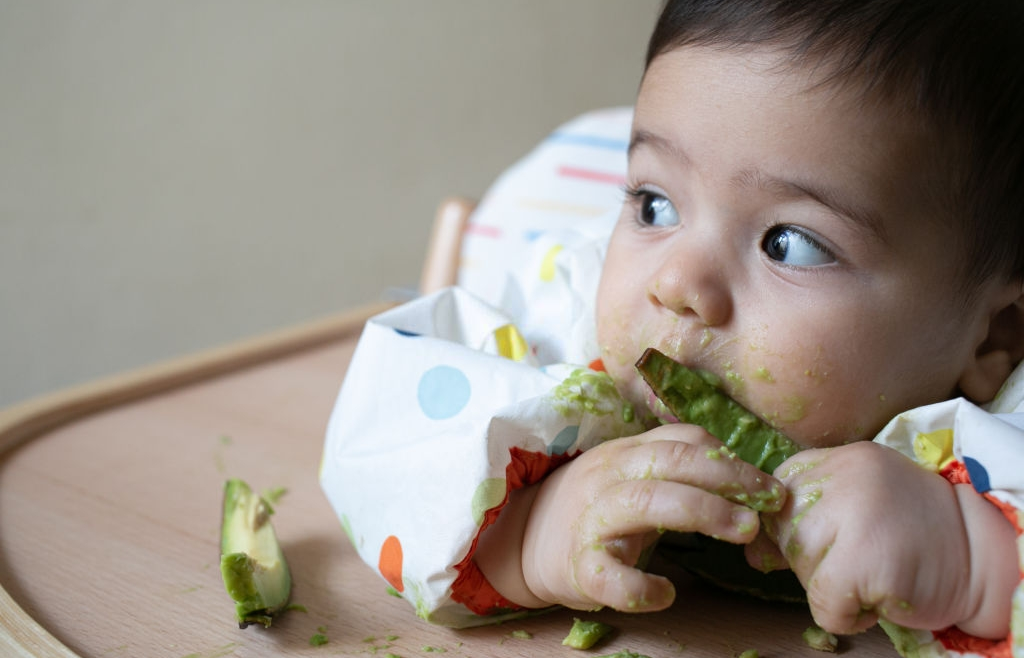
column 110, row 503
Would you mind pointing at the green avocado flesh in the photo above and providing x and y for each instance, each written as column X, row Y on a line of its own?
column 693, row 397
column 252, row 565
column 585, row 634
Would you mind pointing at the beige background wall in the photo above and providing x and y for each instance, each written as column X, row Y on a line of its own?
column 176, row 175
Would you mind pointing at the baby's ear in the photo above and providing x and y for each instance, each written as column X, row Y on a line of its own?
column 1001, row 351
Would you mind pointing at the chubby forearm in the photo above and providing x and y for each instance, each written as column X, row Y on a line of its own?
column 994, row 571
column 500, row 549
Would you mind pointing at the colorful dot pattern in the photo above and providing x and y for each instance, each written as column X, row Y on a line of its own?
column 443, row 392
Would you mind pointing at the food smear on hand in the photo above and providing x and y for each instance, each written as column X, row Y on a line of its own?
column 252, row 565
column 695, row 396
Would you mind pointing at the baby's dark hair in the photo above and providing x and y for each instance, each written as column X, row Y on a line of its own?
column 959, row 64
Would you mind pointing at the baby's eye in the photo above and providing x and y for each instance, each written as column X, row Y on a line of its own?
column 654, row 209
column 790, row 245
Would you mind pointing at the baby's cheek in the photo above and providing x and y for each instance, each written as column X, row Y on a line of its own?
column 797, row 400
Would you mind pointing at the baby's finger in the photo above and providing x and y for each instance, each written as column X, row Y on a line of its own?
column 799, row 465
column 689, row 455
column 636, row 507
column 843, row 615
column 602, row 577
column 763, row 555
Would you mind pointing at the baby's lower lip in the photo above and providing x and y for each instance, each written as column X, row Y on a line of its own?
column 659, row 409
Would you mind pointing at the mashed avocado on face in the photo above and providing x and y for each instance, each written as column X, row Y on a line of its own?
column 694, row 396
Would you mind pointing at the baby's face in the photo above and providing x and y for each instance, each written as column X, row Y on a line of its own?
column 786, row 237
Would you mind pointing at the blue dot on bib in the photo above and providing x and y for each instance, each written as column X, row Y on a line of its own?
column 443, row 392
column 978, row 475
column 564, row 440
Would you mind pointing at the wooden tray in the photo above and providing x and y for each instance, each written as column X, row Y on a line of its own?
column 110, row 509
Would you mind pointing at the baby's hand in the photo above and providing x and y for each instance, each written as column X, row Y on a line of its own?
column 870, row 534
column 594, row 517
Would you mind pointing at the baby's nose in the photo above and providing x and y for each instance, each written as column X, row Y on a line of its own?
column 693, row 284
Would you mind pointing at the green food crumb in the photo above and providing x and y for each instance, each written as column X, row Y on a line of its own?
column 521, row 635
column 429, row 649
column 585, row 634
column 903, row 640
column 390, row 638
column 587, row 391
column 749, row 653
column 810, row 498
column 820, row 639
column 318, row 640
column 296, row 607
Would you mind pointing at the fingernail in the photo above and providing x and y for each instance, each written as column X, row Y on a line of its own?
column 744, row 520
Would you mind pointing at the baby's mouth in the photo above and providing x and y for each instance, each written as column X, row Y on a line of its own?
column 659, row 409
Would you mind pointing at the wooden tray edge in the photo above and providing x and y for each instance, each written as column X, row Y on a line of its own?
column 20, row 635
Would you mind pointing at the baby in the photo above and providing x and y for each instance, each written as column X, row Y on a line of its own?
column 822, row 208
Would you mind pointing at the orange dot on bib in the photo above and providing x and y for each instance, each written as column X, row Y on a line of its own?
column 390, row 563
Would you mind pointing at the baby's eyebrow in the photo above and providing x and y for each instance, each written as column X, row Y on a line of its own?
column 757, row 179
column 642, row 137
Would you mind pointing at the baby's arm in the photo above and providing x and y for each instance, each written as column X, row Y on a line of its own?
column 871, row 534
column 993, row 567
column 575, row 539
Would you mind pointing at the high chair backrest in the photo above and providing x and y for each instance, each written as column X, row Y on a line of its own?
column 570, row 181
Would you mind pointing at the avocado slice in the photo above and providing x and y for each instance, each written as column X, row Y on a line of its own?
column 252, row 565
column 694, row 396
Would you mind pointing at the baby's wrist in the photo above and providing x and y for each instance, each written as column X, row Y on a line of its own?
column 994, row 571
column 545, row 575
column 499, row 554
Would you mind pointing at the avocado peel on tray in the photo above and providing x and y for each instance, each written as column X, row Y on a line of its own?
column 252, row 564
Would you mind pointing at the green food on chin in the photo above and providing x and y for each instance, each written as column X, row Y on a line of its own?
column 252, row 565
column 694, row 396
